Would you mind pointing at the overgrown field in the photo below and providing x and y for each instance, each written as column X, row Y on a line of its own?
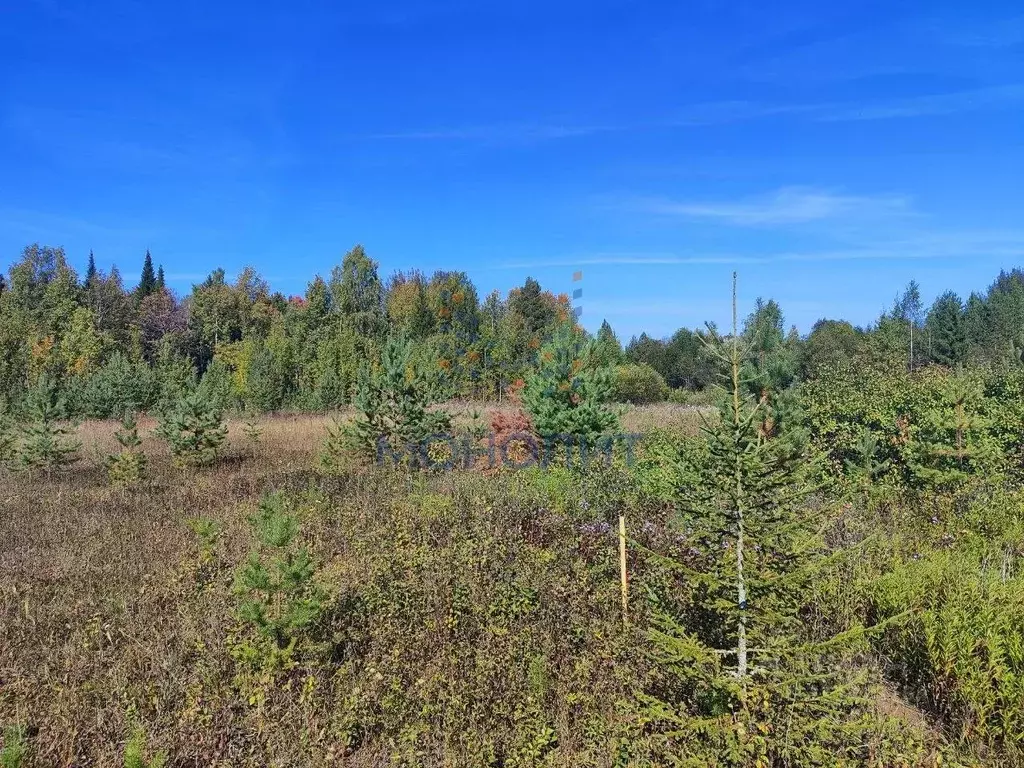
column 465, row 619
column 475, row 618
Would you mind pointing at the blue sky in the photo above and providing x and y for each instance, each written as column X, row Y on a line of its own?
column 829, row 152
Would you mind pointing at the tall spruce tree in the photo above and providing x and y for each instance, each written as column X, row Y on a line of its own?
column 946, row 331
column 147, row 281
column 740, row 679
column 609, row 350
column 90, row 272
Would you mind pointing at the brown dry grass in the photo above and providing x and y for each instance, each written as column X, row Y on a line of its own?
column 104, row 627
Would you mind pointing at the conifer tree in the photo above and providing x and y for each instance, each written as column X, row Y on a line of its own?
column 129, row 466
column 568, row 393
column 393, row 403
column 90, row 272
column 195, row 431
column 251, row 428
column 530, row 303
column 8, row 437
column 264, row 385
column 161, row 283
column 952, row 439
column 147, row 281
column 946, row 331
column 735, row 658
column 46, row 442
column 608, row 349
column 275, row 588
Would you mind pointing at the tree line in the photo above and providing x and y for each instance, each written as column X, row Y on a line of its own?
column 109, row 348
column 986, row 330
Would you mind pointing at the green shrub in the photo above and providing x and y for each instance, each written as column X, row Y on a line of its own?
column 120, row 385
column 955, row 576
column 127, row 467
column 216, row 386
column 950, row 438
column 264, row 379
column 638, row 384
column 8, row 438
column 708, row 396
column 195, row 431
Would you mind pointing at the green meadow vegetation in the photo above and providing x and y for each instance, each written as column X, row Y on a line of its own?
column 811, row 558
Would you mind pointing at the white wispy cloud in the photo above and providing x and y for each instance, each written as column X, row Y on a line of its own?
column 627, row 259
column 47, row 225
column 727, row 112
column 788, row 205
column 1005, row 245
column 931, row 105
column 503, row 132
column 998, row 33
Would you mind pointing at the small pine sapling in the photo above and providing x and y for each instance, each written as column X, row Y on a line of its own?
column 569, row 392
column 337, row 446
column 194, row 430
column 46, row 442
column 129, row 466
column 275, row 588
column 866, row 466
column 393, row 406
column 208, row 532
column 252, row 429
column 477, row 426
column 952, row 440
column 8, row 439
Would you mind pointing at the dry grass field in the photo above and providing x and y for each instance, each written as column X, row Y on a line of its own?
column 117, row 617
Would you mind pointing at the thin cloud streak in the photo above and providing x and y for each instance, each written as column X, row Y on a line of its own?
column 995, row 244
column 725, row 113
column 510, row 132
column 627, row 260
column 933, row 105
column 788, row 205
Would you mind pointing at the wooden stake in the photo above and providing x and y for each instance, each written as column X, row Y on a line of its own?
column 622, row 569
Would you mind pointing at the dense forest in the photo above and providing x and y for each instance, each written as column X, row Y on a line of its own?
column 109, row 347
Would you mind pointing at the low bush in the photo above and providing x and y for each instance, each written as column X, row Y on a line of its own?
column 639, row 384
